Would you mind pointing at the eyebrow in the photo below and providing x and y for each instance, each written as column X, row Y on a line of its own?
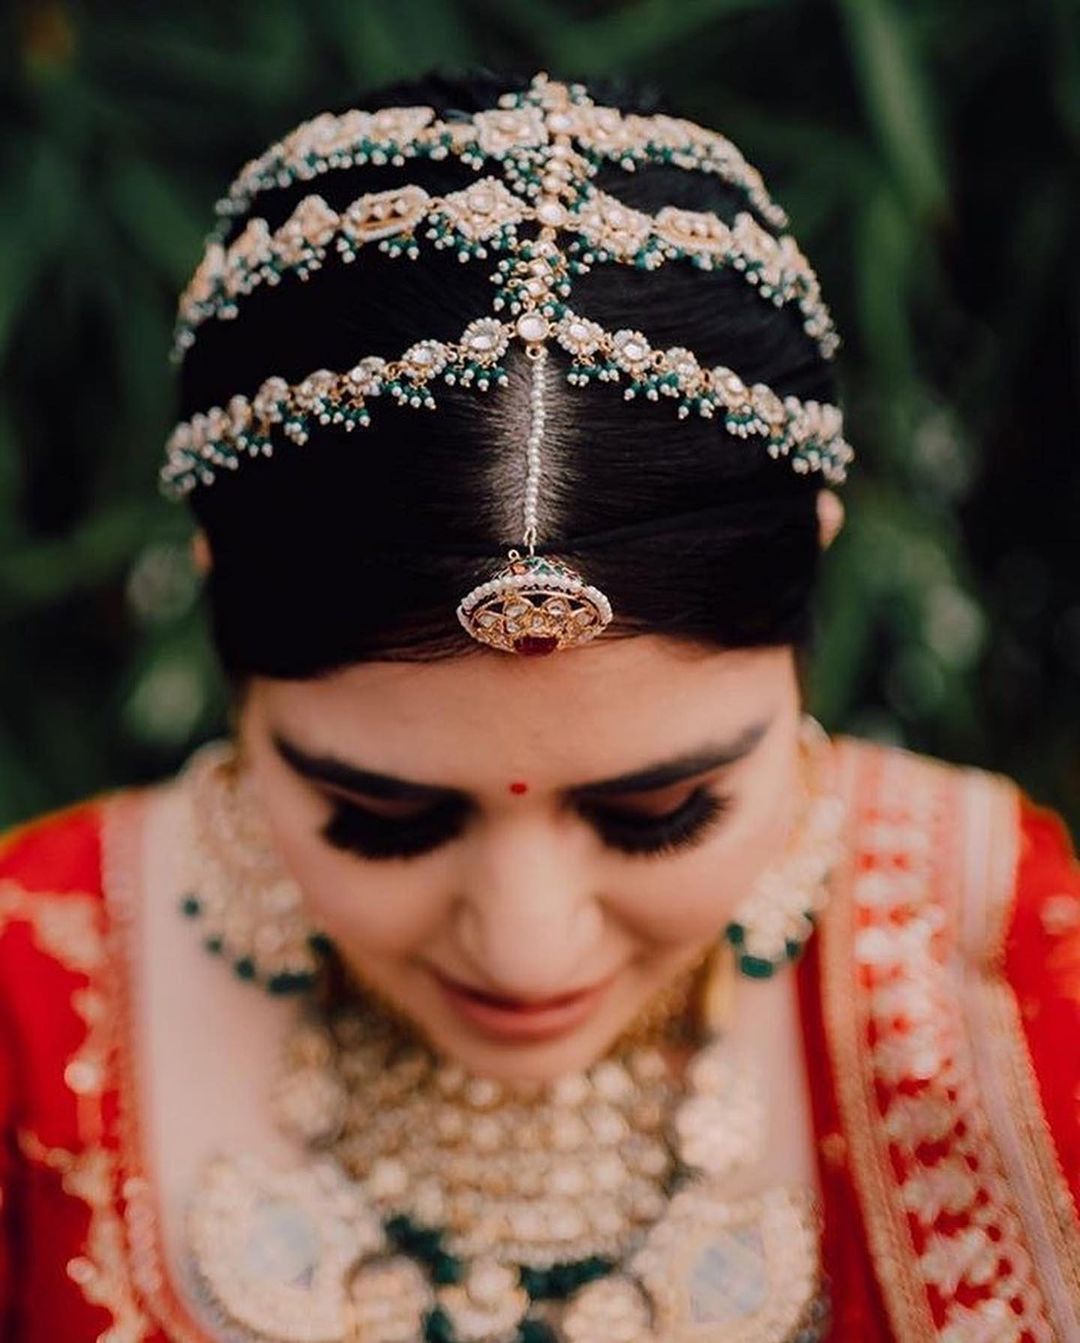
column 350, row 778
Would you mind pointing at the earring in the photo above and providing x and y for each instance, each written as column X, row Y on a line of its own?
column 770, row 927
column 250, row 909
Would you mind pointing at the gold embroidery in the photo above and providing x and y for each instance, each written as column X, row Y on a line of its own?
column 68, row 927
column 920, row 1119
column 99, row 1272
column 833, row 1148
column 1060, row 914
column 1002, row 1062
column 987, row 1322
column 886, row 1225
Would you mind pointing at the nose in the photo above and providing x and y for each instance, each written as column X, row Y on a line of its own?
column 529, row 921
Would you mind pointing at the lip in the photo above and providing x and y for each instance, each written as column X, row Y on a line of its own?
column 510, row 1019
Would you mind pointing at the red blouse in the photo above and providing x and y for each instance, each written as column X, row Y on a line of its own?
column 940, row 1003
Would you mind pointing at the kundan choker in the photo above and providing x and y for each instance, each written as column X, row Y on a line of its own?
column 435, row 1205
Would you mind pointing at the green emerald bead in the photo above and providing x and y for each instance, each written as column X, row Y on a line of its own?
column 736, row 934
column 598, row 1267
column 214, row 945
column 398, row 1229
column 757, row 968
column 245, row 968
column 535, row 1282
column 535, row 1331
column 445, row 1268
column 281, row 986
column 426, row 1243
column 562, row 1281
column 191, row 906
column 438, row 1327
column 793, row 949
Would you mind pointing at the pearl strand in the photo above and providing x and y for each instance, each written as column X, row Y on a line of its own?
column 537, row 420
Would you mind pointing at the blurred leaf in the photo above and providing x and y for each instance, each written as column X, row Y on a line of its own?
column 33, row 219
column 98, row 552
column 885, row 247
column 887, row 64
column 628, row 34
column 165, row 227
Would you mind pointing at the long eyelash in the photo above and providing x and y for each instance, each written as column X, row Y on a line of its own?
column 680, row 829
column 354, row 829
column 357, row 830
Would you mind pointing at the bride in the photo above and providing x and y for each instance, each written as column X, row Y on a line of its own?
column 527, row 966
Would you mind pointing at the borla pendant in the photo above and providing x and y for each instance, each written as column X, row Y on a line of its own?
column 744, row 1272
column 271, row 1251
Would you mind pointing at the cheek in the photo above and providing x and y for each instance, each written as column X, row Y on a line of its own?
column 690, row 898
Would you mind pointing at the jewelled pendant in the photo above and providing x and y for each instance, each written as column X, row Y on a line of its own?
column 272, row 1251
column 746, row 1272
column 534, row 605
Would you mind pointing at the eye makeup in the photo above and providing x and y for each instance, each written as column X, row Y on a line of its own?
column 381, row 816
column 360, row 830
column 642, row 834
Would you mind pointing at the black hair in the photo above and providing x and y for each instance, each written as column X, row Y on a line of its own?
column 359, row 546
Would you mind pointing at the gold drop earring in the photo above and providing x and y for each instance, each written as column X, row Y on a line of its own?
column 772, row 924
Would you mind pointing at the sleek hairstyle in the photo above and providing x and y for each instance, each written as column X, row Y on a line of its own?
column 359, row 546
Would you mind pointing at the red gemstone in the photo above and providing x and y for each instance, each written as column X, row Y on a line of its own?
column 536, row 645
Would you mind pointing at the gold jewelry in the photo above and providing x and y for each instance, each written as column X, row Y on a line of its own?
column 501, row 1204
column 549, row 142
column 713, row 993
column 253, row 913
column 563, row 147
column 435, row 1200
column 771, row 925
column 249, row 908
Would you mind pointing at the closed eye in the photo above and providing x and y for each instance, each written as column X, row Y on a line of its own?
column 634, row 831
column 372, row 833
column 386, row 830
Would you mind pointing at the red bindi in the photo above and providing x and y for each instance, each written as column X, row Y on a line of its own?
column 519, row 787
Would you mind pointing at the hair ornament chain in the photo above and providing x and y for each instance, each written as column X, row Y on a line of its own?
column 482, row 219
column 547, row 224
column 808, row 433
column 516, row 135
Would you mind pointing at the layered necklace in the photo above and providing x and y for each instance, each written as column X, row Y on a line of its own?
column 428, row 1205
column 435, row 1205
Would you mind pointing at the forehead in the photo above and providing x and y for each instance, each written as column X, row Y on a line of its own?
column 587, row 712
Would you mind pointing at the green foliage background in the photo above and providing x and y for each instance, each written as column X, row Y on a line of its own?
column 926, row 151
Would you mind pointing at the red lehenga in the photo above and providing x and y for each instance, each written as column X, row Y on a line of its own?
column 941, row 1012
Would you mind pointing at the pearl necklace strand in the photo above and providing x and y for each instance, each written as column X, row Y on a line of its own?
column 537, row 1175
column 441, row 1206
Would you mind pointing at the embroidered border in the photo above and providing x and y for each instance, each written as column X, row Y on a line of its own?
column 1001, row 1058
column 68, row 927
column 845, row 1022
column 927, row 1170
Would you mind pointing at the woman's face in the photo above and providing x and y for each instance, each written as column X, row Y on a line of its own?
column 520, row 853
